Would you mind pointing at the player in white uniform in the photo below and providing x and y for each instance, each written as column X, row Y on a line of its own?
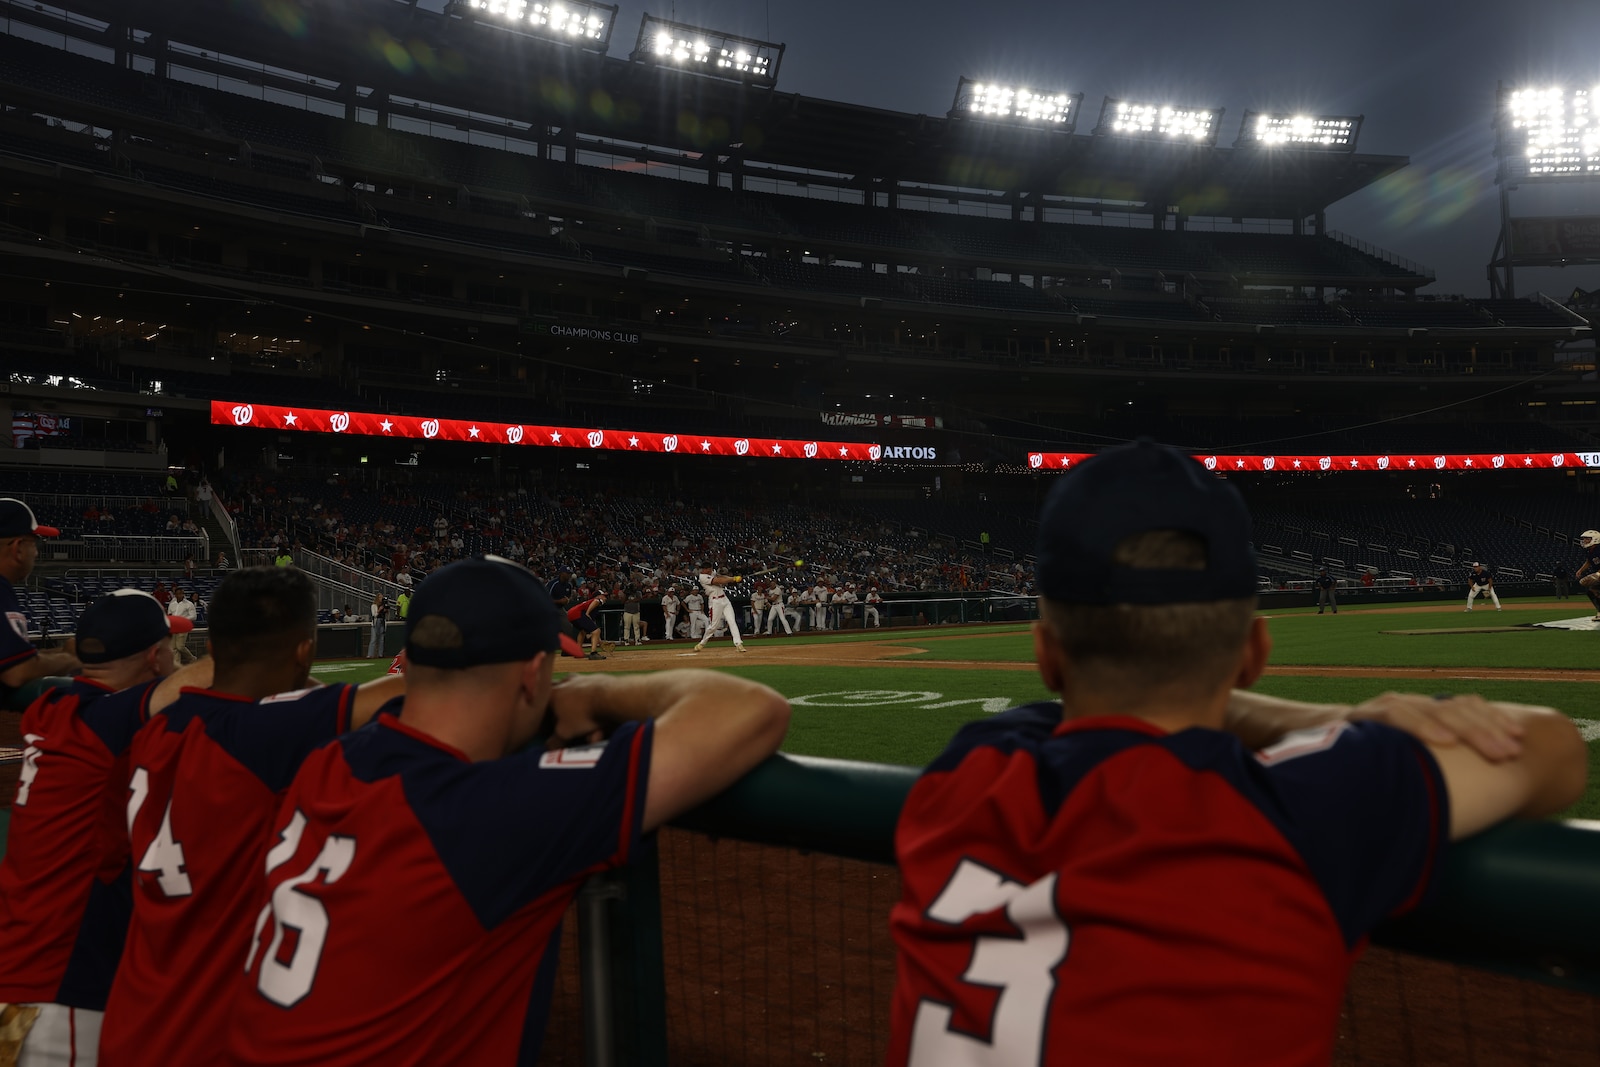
column 819, row 610
column 806, row 601
column 720, row 606
column 669, row 608
column 777, row 611
column 697, row 614
column 846, row 606
column 758, row 605
column 869, row 614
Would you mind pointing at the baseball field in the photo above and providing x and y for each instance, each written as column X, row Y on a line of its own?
column 897, row 696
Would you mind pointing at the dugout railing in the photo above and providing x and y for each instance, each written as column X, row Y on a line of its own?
column 1518, row 899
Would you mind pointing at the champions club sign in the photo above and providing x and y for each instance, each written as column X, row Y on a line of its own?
column 1410, row 464
column 367, row 424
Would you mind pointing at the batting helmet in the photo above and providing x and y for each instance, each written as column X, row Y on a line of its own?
column 1589, row 538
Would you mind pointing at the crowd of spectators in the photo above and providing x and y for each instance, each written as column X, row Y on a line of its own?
column 610, row 544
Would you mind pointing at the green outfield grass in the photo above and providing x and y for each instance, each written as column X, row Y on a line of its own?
column 904, row 715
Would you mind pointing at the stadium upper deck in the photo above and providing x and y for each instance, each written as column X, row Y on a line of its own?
column 378, row 55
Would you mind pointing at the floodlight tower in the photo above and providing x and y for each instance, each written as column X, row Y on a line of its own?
column 1016, row 105
column 1285, row 129
column 1544, row 134
column 581, row 23
column 710, row 53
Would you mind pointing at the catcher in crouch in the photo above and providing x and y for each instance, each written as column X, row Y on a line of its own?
column 1589, row 571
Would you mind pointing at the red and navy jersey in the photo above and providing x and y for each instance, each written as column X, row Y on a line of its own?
column 1591, row 556
column 473, row 863
column 64, row 900
column 1099, row 891
column 15, row 647
column 204, row 783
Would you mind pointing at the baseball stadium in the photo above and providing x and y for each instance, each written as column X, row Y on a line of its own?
column 777, row 386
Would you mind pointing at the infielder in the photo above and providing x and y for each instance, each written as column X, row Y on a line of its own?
column 697, row 614
column 1157, row 844
column 720, row 606
column 669, row 608
column 1481, row 581
column 777, row 612
column 1589, row 571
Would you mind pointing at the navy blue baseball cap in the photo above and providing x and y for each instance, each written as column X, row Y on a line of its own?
column 16, row 520
column 123, row 623
column 1135, row 489
column 480, row 611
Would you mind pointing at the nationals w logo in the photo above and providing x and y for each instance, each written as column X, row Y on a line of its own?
column 741, row 446
column 596, row 438
column 669, row 443
column 243, row 414
column 811, row 450
column 339, row 421
column 430, row 427
column 514, row 434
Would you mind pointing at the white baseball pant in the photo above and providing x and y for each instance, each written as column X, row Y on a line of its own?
column 672, row 626
column 778, row 613
column 1486, row 590
column 869, row 616
column 722, row 612
column 697, row 624
column 62, row 1037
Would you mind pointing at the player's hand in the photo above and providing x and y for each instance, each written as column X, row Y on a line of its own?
column 577, row 703
column 1481, row 725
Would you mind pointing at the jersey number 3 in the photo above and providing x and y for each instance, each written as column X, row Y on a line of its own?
column 1020, row 968
column 164, row 857
column 287, row 982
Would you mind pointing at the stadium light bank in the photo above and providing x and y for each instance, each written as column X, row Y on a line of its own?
column 1159, row 122
column 708, row 52
column 574, row 22
column 1268, row 129
column 1549, row 133
column 1016, row 105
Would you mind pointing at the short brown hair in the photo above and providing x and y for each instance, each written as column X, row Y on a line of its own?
column 1130, row 650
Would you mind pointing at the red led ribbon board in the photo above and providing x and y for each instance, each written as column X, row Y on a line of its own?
column 1413, row 464
column 368, row 424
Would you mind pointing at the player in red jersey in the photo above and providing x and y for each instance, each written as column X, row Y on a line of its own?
column 448, row 825
column 64, row 899
column 582, row 615
column 24, row 670
column 1117, row 878
column 204, row 783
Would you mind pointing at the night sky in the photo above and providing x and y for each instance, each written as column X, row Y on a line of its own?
column 1423, row 74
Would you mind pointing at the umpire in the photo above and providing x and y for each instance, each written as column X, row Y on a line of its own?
column 1325, row 591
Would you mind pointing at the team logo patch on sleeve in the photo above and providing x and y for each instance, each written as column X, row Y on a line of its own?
column 293, row 694
column 19, row 623
column 573, row 759
column 1299, row 743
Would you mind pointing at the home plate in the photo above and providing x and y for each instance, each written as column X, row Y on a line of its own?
column 1583, row 623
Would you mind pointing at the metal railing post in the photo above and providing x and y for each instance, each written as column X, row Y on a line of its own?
column 621, row 965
